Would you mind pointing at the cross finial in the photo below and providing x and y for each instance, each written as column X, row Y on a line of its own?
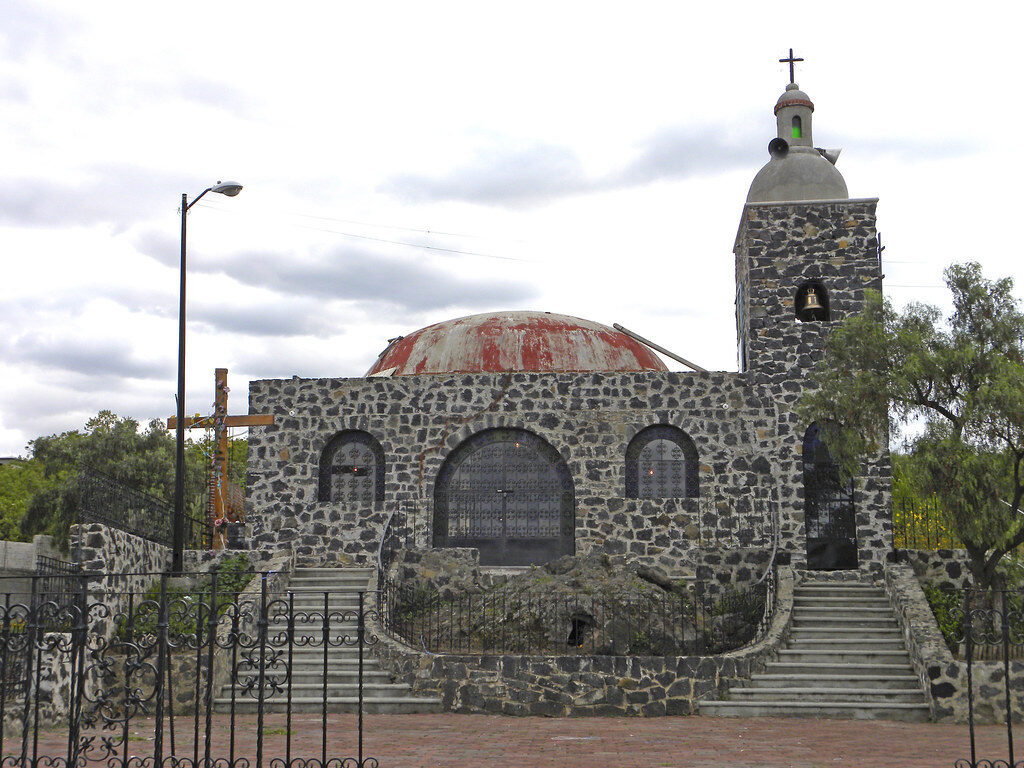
column 791, row 61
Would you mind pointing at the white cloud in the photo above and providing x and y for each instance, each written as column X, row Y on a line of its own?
column 608, row 150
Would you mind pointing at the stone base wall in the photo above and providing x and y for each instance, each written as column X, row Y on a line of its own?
column 940, row 567
column 721, row 570
column 128, row 564
column 557, row 686
column 859, row 576
column 102, row 549
column 321, row 534
column 204, row 560
column 944, row 677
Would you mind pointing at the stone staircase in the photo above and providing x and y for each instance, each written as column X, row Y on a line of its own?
column 380, row 696
column 845, row 658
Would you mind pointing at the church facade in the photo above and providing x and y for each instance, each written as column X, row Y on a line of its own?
column 528, row 435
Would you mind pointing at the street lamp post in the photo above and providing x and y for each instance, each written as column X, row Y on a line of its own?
column 229, row 188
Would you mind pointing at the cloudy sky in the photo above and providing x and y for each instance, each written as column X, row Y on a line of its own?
column 408, row 162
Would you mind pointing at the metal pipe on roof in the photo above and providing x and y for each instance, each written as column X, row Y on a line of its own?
column 659, row 348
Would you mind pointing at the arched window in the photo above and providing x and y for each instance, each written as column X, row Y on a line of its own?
column 828, row 508
column 811, row 303
column 509, row 494
column 798, row 127
column 661, row 463
column 352, row 470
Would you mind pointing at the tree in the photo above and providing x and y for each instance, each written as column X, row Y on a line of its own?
column 20, row 481
column 114, row 446
column 953, row 390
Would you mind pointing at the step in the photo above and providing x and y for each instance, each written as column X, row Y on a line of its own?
column 343, row 677
column 870, row 681
column 844, row 634
column 834, row 591
column 343, row 666
column 820, row 669
column 824, row 694
column 851, row 611
column 835, row 709
column 843, row 657
column 384, row 705
column 883, row 619
column 847, row 645
column 840, row 602
column 308, row 594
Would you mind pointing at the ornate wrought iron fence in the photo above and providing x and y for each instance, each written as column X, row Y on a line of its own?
column 991, row 630
column 921, row 526
column 102, row 499
column 503, row 622
column 174, row 676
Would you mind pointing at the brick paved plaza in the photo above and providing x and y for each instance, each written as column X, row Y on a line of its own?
column 481, row 741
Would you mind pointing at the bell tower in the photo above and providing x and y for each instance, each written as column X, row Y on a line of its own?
column 806, row 253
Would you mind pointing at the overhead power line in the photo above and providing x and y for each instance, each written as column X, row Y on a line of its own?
column 435, row 248
column 405, row 229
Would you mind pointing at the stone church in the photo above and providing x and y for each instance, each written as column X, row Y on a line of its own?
column 530, row 435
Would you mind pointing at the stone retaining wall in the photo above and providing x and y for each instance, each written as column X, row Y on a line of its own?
column 943, row 677
column 735, row 569
column 939, row 567
column 103, row 549
column 582, row 685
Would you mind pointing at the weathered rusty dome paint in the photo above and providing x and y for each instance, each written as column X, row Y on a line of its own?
column 515, row 341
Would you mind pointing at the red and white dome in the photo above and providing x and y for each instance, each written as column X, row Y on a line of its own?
column 515, row 341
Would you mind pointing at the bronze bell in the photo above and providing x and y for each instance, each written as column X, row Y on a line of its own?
column 810, row 307
column 811, row 302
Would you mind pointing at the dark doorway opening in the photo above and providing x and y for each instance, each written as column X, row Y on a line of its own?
column 829, row 515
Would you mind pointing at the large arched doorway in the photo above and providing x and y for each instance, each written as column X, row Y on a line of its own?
column 509, row 494
column 829, row 517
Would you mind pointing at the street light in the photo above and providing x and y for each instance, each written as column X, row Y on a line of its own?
column 229, row 188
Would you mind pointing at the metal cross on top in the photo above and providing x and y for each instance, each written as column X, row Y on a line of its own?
column 791, row 61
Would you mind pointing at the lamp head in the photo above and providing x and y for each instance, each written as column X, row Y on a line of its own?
column 229, row 188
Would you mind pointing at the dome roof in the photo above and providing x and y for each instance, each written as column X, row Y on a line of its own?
column 800, row 174
column 792, row 97
column 515, row 341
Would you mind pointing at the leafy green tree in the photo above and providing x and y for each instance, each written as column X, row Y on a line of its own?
column 953, row 389
column 20, row 481
column 142, row 460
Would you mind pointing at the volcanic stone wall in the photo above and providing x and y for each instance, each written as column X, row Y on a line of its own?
column 943, row 677
column 941, row 567
column 588, row 418
column 779, row 248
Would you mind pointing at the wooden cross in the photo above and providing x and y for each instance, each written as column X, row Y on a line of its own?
column 220, row 422
column 791, row 62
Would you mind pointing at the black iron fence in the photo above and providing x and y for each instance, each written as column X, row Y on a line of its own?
column 58, row 579
column 179, row 674
column 922, row 525
column 506, row 622
column 990, row 632
column 102, row 499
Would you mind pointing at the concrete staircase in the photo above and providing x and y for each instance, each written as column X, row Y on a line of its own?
column 845, row 658
column 341, row 587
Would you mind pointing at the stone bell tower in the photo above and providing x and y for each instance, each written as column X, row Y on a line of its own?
column 805, row 255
